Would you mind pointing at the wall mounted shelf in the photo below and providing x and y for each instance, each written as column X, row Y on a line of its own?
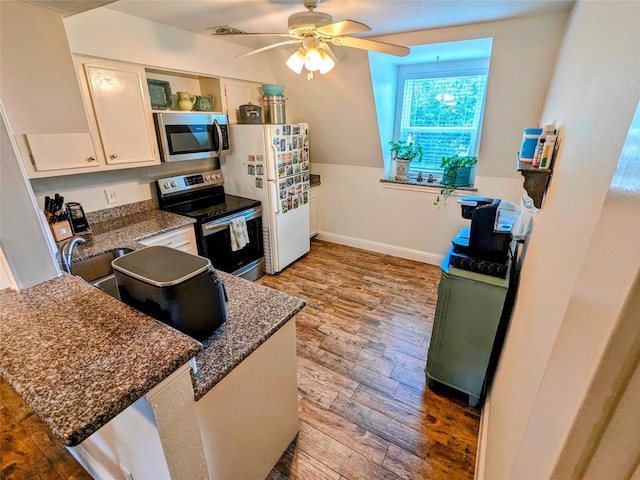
column 536, row 181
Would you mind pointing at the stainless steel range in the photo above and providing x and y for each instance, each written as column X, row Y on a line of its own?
column 201, row 196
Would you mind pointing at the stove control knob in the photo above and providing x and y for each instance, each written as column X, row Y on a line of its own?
column 208, row 177
column 166, row 185
column 174, row 184
column 218, row 175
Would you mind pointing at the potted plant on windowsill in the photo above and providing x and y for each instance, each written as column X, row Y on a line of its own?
column 456, row 173
column 403, row 153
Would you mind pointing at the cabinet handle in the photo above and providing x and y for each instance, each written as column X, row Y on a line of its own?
column 113, row 155
column 91, row 159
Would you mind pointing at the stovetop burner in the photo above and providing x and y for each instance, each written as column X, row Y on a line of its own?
column 204, row 211
column 200, row 196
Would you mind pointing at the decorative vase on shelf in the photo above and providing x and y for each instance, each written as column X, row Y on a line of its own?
column 204, row 103
column 402, row 168
column 186, row 101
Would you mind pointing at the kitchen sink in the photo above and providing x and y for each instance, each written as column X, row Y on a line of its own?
column 98, row 272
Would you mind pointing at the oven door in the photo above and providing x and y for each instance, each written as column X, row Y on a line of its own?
column 215, row 244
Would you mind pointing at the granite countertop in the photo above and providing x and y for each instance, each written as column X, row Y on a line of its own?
column 79, row 357
column 255, row 312
column 125, row 226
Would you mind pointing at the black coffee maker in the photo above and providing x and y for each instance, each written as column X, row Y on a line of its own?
column 484, row 246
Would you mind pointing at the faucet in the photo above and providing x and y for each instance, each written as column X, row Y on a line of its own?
column 67, row 251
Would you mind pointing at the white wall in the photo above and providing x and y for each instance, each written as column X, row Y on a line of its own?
column 345, row 143
column 594, row 93
column 25, row 238
column 109, row 34
column 357, row 209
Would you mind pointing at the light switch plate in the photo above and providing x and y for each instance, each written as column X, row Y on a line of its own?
column 110, row 195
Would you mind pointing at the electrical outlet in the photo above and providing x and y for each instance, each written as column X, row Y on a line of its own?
column 110, row 194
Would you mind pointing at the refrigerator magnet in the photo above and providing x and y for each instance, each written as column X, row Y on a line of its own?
column 251, row 169
column 252, row 158
column 259, row 169
column 260, row 158
column 259, row 182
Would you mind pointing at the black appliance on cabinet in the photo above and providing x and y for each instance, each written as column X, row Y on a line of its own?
column 201, row 196
column 175, row 287
column 484, row 246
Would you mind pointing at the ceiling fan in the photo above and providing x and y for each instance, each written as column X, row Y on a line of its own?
column 315, row 31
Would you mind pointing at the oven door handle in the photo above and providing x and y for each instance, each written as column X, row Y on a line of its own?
column 222, row 224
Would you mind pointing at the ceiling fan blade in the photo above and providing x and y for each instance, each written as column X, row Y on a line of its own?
column 343, row 27
column 364, row 44
column 325, row 46
column 268, row 47
column 230, row 34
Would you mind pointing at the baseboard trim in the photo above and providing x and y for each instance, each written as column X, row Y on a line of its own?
column 89, row 463
column 387, row 249
column 481, row 452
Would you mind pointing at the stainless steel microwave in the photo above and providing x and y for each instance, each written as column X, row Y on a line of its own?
column 192, row 135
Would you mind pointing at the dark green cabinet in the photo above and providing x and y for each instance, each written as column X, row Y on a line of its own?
column 467, row 317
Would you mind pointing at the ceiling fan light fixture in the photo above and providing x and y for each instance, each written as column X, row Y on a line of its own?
column 327, row 62
column 296, row 61
column 312, row 59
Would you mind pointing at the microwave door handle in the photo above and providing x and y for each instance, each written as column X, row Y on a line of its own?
column 219, row 130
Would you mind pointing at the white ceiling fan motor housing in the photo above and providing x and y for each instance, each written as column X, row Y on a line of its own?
column 306, row 22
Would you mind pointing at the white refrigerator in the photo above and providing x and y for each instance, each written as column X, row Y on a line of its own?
column 270, row 163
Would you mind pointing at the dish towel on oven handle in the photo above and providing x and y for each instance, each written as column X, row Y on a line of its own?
column 239, row 233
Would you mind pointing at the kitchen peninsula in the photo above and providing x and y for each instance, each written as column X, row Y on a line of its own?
column 115, row 385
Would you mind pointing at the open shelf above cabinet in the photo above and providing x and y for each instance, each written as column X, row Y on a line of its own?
column 536, row 180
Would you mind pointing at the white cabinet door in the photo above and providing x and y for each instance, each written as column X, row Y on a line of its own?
column 123, row 113
column 61, row 151
column 238, row 93
column 181, row 239
column 314, row 211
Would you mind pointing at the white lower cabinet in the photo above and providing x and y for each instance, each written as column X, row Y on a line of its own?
column 236, row 431
column 181, row 239
column 314, row 211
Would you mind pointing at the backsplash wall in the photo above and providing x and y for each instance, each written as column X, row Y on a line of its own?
column 131, row 185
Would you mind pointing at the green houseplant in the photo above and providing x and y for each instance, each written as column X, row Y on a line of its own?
column 456, row 173
column 403, row 153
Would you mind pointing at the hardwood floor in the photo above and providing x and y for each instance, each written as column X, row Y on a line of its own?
column 362, row 344
column 29, row 450
column 365, row 411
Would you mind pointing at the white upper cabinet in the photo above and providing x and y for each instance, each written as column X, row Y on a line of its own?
column 239, row 92
column 119, row 97
column 61, row 151
column 41, row 93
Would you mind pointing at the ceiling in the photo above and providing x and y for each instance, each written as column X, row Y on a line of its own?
column 383, row 16
column 270, row 16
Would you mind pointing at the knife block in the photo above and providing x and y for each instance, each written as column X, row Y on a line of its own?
column 60, row 230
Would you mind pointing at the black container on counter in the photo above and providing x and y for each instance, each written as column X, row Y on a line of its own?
column 175, row 287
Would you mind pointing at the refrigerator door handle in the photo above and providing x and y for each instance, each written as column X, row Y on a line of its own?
column 272, row 173
column 273, row 193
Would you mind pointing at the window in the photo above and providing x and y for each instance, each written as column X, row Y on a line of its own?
column 440, row 106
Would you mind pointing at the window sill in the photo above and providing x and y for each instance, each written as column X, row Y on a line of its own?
column 424, row 186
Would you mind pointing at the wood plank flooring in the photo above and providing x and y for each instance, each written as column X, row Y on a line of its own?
column 28, row 448
column 362, row 344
